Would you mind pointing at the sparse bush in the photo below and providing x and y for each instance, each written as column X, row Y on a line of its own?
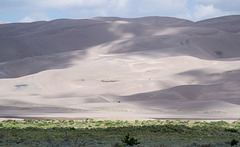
column 1, row 136
column 231, row 130
column 109, row 80
column 130, row 140
column 234, row 142
column 219, row 123
column 219, row 53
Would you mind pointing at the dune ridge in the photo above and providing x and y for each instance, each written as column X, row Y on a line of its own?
column 121, row 68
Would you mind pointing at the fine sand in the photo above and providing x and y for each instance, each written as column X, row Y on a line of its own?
column 119, row 68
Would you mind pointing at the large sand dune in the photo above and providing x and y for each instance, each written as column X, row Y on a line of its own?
column 121, row 68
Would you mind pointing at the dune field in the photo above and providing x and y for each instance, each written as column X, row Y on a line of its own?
column 121, row 68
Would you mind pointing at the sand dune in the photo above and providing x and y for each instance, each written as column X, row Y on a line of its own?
column 121, row 68
column 225, row 23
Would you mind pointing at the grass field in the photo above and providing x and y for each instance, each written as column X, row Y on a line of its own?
column 106, row 133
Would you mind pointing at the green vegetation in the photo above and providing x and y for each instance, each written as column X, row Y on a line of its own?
column 109, row 80
column 130, row 141
column 106, row 133
column 234, row 142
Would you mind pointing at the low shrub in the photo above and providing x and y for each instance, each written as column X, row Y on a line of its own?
column 231, row 130
column 130, row 140
column 234, row 142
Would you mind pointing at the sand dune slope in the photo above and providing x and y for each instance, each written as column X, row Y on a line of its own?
column 121, row 68
column 225, row 23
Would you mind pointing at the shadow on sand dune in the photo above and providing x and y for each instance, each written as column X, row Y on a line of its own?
column 32, row 65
